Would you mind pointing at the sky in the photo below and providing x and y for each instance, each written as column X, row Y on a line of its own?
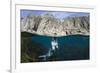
column 56, row 14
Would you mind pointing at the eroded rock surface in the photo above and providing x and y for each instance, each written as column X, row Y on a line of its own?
column 47, row 24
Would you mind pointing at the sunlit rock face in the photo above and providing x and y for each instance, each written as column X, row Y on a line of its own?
column 47, row 24
column 76, row 25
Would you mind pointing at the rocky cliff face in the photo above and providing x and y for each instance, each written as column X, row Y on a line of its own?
column 47, row 24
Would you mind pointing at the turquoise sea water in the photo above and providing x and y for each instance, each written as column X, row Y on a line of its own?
column 72, row 47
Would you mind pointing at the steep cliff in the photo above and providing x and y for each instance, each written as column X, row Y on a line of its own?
column 47, row 24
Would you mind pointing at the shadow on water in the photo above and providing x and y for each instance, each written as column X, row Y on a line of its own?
column 72, row 47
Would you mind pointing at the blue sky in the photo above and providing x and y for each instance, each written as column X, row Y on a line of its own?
column 56, row 14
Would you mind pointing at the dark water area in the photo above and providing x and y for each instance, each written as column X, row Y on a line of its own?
column 72, row 47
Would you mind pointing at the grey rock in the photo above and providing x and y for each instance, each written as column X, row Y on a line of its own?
column 47, row 24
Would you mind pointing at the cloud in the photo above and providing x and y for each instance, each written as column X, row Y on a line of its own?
column 61, row 15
